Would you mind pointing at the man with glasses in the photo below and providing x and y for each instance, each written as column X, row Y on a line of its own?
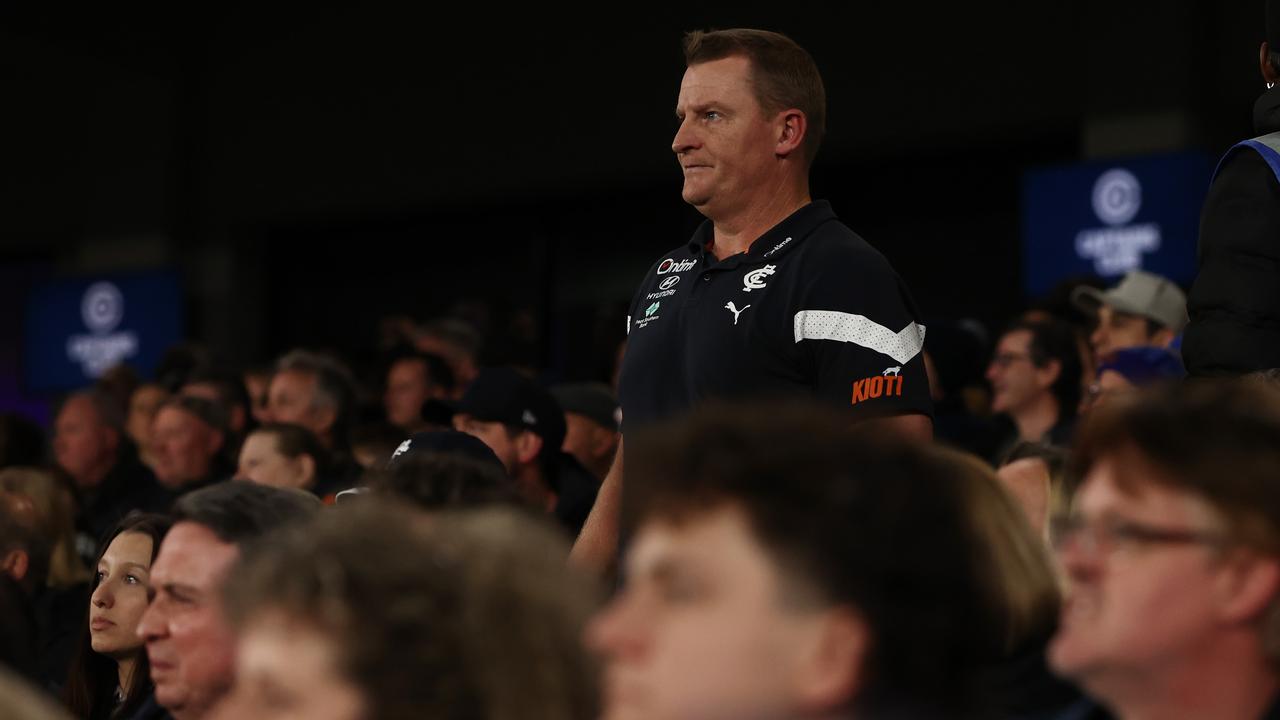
column 1036, row 376
column 1173, row 556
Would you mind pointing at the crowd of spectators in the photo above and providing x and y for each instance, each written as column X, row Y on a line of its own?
column 1053, row 522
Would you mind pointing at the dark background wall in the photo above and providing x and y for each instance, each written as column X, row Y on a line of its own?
column 311, row 171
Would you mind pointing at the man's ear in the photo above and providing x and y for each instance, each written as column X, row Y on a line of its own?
column 16, row 564
column 793, row 126
column 833, row 668
column 1163, row 337
column 528, row 445
column 113, row 438
column 1049, row 373
column 602, row 441
column 306, row 466
column 216, row 442
column 1248, row 586
column 326, row 415
column 1269, row 74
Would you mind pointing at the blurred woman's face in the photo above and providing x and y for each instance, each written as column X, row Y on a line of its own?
column 262, row 462
column 287, row 669
column 120, row 598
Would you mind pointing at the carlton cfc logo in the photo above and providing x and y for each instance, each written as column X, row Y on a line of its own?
column 671, row 265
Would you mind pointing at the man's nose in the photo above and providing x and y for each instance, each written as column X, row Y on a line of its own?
column 612, row 632
column 685, row 138
column 152, row 623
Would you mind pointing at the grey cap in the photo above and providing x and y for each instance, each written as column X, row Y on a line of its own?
column 1139, row 293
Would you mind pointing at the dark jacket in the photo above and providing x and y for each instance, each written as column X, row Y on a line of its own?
column 1234, row 303
column 576, row 490
column 129, row 485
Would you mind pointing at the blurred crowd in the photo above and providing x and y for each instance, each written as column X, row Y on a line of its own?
column 419, row 532
column 1050, row 521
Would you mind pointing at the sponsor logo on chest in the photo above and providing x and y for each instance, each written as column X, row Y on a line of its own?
column 666, row 288
column 650, row 315
column 671, row 265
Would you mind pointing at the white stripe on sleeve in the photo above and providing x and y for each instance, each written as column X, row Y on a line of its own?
column 860, row 330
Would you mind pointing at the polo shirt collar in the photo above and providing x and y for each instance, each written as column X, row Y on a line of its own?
column 778, row 240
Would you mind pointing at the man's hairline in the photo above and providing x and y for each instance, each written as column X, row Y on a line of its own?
column 794, row 589
column 221, row 576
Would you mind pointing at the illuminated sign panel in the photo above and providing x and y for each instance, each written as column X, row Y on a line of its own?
column 78, row 329
column 1107, row 218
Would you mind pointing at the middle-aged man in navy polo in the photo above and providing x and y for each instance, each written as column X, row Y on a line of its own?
column 773, row 296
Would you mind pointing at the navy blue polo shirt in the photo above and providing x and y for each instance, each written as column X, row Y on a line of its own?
column 810, row 310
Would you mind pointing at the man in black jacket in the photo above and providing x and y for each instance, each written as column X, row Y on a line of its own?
column 1235, row 301
column 90, row 445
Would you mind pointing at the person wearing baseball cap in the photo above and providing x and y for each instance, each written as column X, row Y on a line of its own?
column 525, row 427
column 1129, row 368
column 1143, row 310
column 592, row 422
column 1234, row 306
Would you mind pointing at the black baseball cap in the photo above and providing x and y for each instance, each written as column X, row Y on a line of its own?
column 594, row 401
column 450, row 442
column 504, row 395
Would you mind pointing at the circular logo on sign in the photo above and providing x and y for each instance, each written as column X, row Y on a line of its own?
column 669, row 282
column 1117, row 196
column 102, row 307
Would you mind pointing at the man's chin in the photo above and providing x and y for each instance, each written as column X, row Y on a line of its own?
column 171, row 698
column 695, row 197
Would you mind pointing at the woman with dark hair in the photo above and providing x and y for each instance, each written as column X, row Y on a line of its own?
column 110, row 676
column 288, row 456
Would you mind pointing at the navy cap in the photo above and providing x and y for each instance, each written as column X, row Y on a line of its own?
column 444, row 442
column 504, row 395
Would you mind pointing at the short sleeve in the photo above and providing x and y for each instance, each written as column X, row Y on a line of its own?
column 859, row 330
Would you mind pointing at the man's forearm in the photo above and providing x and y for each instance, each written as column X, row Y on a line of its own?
column 597, row 544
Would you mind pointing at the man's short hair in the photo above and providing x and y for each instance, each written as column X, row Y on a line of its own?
column 240, row 512
column 438, row 371
column 105, row 405
column 851, row 518
column 411, row 608
column 1218, row 440
column 1053, row 339
column 334, row 385
column 20, row 531
column 229, row 386
column 209, row 412
column 295, row 440
column 783, row 74
column 461, row 336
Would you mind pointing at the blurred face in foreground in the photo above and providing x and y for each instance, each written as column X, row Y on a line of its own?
column 287, row 669
column 705, row 630
column 1154, row 585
